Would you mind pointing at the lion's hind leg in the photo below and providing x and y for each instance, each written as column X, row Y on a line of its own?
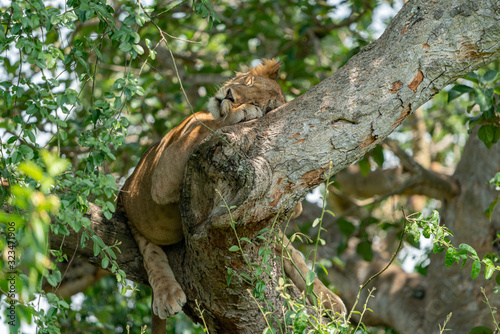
column 297, row 269
column 168, row 297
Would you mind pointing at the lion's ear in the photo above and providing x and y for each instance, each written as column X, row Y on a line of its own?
column 270, row 68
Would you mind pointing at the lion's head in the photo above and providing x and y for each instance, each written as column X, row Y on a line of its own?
column 257, row 87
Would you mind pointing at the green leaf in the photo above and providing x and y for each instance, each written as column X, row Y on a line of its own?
column 260, row 287
column 105, row 262
column 496, row 136
column 481, row 330
column 310, row 277
column 487, row 133
column 98, row 241
column 234, row 248
column 96, row 249
column 107, row 214
column 316, row 222
column 439, row 234
column 434, row 219
column 346, row 227
column 470, row 250
column 427, row 232
column 245, row 276
column 12, row 139
column 63, row 135
column 463, row 255
column 492, row 206
column 112, row 253
column 490, row 266
column 476, row 269
column 437, row 249
column 496, row 179
column 138, row 49
column 458, row 90
column 364, row 166
column 483, row 98
column 129, row 20
column 364, row 249
column 378, row 155
column 51, row 312
column 52, row 280
column 489, row 270
column 489, row 76
column 111, row 206
column 472, row 76
column 450, row 257
column 300, row 323
column 330, row 213
column 125, row 47
column 124, row 122
column 323, row 267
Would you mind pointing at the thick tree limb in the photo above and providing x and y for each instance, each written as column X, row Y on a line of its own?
column 412, row 179
column 387, row 182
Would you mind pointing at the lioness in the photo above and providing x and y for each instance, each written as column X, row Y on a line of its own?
column 150, row 195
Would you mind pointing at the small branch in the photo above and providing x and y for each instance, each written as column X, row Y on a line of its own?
column 429, row 183
column 383, row 270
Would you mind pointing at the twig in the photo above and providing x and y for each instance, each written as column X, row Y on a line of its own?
column 492, row 309
column 385, row 268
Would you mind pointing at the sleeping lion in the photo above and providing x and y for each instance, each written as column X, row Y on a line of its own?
column 150, row 196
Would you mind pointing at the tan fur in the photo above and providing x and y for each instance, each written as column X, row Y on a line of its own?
column 150, row 195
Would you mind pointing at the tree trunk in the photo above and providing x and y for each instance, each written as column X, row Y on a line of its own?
column 452, row 289
column 263, row 168
column 415, row 304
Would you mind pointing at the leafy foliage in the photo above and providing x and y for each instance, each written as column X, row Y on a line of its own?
column 482, row 95
column 430, row 226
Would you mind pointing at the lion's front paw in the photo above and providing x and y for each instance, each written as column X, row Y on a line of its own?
column 251, row 111
column 168, row 299
column 243, row 113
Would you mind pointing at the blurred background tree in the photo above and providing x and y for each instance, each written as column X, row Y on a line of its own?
column 97, row 82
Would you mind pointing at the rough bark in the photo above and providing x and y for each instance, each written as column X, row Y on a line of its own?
column 451, row 289
column 265, row 167
column 410, row 303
